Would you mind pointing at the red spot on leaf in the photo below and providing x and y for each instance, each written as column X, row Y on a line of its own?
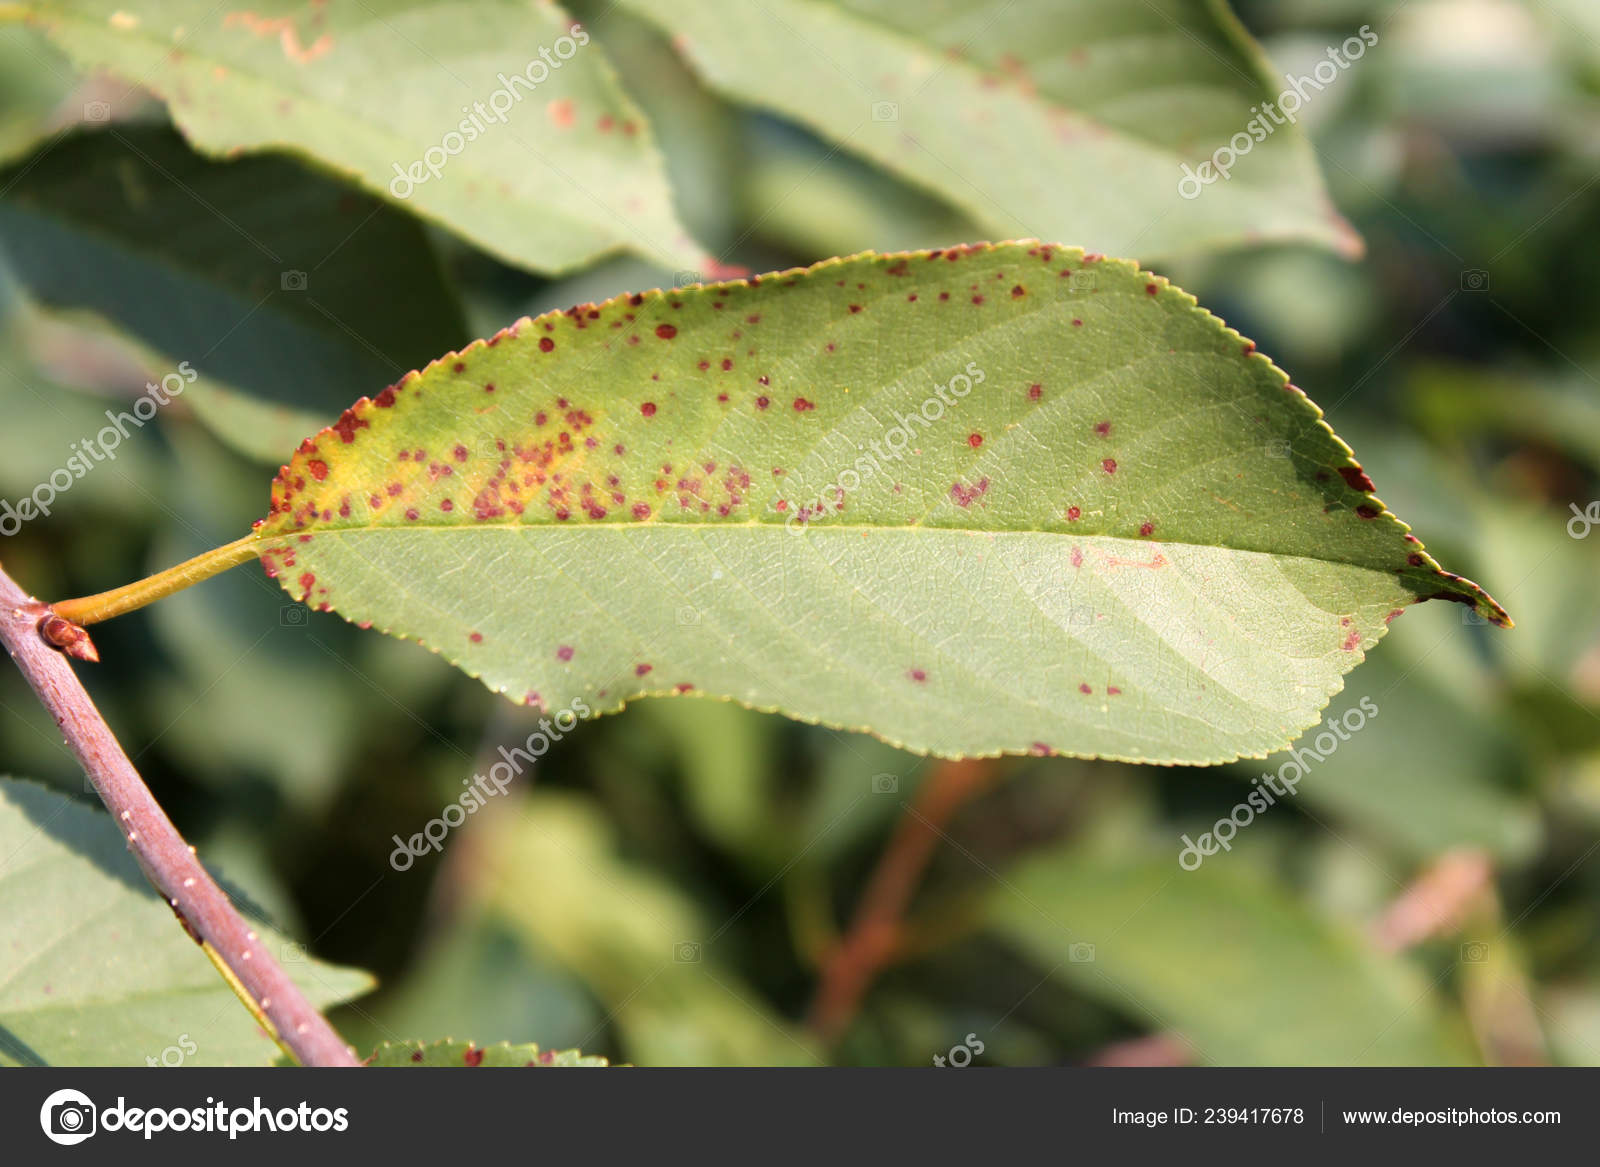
column 964, row 496
column 347, row 425
column 1355, row 478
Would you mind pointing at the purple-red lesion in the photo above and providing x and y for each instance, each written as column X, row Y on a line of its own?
column 964, row 495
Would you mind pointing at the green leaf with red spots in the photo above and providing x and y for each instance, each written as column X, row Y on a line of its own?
column 501, row 121
column 999, row 498
column 1072, row 120
column 465, row 1053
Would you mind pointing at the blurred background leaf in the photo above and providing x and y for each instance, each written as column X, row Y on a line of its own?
column 97, row 973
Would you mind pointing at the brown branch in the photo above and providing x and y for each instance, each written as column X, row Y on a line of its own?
column 877, row 932
column 168, row 862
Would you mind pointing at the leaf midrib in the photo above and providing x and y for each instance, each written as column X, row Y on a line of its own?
column 842, row 528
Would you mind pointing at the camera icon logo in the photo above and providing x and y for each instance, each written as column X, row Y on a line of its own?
column 96, row 111
column 1474, row 952
column 885, row 111
column 686, row 278
column 1277, row 448
column 292, row 952
column 292, row 616
column 1474, row 279
column 885, row 784
column 1083, row 281
column 688, row 615
column 686, row 952
column 67, row 1117
column 293, row 281
column 1081, row 953
column 1471, row 616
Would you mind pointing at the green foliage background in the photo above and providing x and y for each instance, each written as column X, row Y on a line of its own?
column 666, row 887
